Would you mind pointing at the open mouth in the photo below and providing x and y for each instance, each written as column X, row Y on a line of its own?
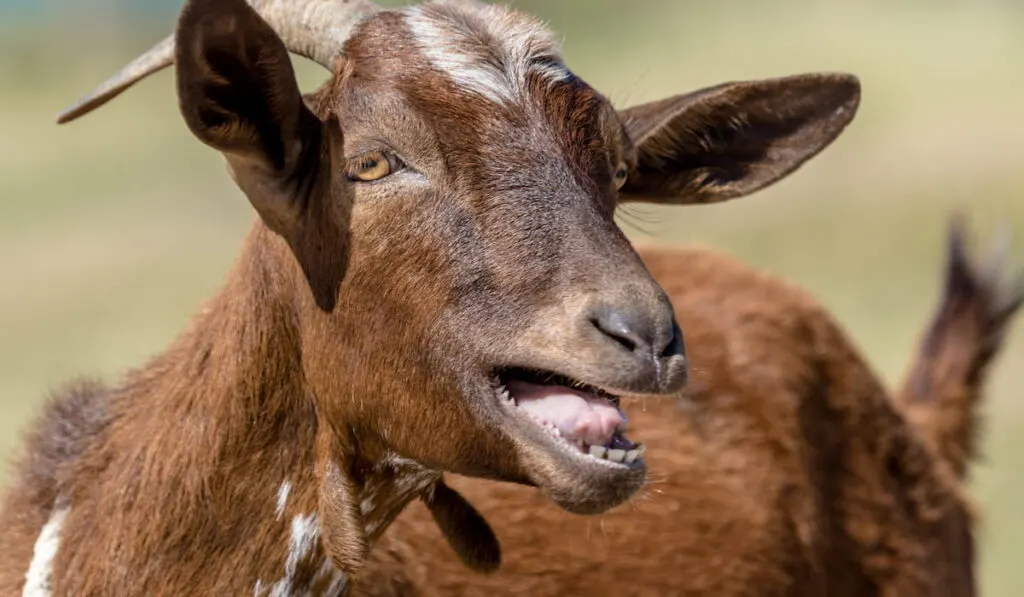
column 583, row 419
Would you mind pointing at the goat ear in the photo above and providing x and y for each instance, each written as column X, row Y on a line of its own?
column 733, row 139
column 465, row 529
column 238, row 94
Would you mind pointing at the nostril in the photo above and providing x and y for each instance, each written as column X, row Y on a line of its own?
column 675, row 346
column 619, row 327
column 620, row 335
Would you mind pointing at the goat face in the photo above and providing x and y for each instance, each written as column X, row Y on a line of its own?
column 449, row 195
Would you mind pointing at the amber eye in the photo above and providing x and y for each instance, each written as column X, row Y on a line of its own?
column 371, row 166
column 620, row 175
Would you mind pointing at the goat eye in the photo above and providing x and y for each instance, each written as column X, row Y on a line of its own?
column 620, row 175
column 371, row 166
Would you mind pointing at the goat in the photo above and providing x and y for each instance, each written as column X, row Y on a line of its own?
column 434, row 282
column 787, row 470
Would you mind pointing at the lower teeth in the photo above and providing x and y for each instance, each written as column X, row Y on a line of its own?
column 615, row 455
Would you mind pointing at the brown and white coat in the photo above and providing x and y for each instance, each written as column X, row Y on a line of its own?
column 435, row 283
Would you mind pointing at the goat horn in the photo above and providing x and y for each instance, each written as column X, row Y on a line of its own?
column 315, row 29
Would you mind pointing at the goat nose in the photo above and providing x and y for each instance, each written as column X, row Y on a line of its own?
column 637, row 331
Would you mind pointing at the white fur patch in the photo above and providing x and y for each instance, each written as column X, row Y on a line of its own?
column 305, row 532
column 338, row 579
column 406, row 478
column 38, row 579
column 397, row 477
column 485, row 49
column 282, row 498
column 302, row 543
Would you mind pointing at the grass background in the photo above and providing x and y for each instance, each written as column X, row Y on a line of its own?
column 114, row 228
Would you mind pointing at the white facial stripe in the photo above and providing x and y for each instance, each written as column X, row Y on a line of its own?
column 465, row 70
column 487, row 50
column 38, row 579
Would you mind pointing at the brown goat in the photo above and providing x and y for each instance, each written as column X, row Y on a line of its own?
column 787, row 471
column 435, row 283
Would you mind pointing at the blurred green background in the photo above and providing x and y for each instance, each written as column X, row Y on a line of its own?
column 115, row 227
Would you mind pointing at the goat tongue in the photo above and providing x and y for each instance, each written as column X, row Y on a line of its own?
column 579, row 416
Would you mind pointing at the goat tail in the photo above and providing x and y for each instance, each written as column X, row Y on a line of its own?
column 942, row 392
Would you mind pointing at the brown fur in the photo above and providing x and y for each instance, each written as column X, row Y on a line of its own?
column 353, row 350
column 944, row 385
column 787, row 471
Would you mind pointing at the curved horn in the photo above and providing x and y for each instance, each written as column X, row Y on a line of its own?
column 315, row 29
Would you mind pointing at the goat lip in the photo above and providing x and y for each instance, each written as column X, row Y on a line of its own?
column 580, row 421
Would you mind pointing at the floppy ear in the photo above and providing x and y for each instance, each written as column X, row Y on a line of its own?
column 238, row 94
column 730, row 140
